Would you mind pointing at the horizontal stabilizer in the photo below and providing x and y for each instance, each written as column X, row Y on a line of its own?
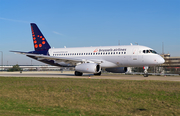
column 19, row 52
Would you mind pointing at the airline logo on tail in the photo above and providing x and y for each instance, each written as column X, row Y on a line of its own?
column 36, row 45
column 40, row 43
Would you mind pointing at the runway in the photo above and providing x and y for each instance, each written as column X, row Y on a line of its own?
column 70, row 74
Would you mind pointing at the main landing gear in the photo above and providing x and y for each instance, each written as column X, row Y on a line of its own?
column 97, row 74
column 76, row 73
column 145, row 71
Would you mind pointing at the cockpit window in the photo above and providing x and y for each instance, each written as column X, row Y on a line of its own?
column 149, row 51
column 152, row 51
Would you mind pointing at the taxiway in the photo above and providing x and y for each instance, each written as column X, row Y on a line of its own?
column 70, row 74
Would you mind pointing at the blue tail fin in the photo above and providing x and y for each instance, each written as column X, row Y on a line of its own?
column 40, row 43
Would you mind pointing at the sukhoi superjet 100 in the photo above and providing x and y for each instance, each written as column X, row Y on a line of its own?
column 113, row 59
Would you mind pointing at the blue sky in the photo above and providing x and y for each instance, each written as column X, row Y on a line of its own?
column 79, row 23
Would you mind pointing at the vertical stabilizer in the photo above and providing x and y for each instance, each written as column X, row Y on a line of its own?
column 40, row 43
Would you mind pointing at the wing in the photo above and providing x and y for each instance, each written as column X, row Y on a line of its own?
column 60, row 60
column 56, row 59
column 68, row 60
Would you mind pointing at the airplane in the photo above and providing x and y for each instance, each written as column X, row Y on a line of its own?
column 113, row 59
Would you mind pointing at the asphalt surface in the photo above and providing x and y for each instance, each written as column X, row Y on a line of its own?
column 70, row 74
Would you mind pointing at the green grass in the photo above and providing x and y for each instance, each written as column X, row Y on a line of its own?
column 57, row 96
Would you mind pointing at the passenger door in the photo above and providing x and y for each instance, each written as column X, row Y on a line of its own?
column 135, row 54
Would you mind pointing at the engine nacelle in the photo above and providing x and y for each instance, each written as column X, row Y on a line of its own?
column 117, row 70
column 88, row 68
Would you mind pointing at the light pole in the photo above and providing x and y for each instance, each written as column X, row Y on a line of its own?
column 1, row 59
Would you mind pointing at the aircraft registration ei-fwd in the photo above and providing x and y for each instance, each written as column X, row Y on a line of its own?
column 114, row 59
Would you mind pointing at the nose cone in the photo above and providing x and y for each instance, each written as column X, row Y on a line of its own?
column 160, row 60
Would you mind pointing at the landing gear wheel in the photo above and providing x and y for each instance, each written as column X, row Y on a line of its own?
column 145, row 71
column 97, row 74
column 145, row 74
column 76, row 73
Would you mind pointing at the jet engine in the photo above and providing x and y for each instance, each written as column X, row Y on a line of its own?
column 88, row 68
column 117, row 70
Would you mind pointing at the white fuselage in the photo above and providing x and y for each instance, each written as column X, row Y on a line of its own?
column 112, row 56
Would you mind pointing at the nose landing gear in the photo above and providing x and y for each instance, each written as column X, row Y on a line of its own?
column 145, row 71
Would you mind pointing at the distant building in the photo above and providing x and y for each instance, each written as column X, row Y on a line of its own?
column 171, row 64
column 170, row 61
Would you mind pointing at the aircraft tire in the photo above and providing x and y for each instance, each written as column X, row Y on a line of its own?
column 97, row 74
column 145, row 74
column 76, row 73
